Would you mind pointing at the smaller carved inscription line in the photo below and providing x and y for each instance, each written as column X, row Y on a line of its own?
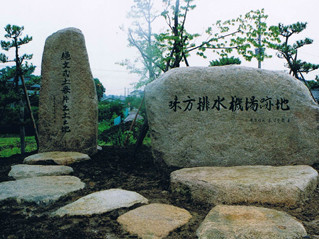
column 270, row 120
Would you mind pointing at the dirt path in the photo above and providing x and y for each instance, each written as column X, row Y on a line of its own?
column 115, row 168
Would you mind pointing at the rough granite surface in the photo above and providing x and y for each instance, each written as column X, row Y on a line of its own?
column 248, row 222
column 231, row 115
column 40, row 190
column 57, row 157
column 154, row 221
column 20, row 171
column 68, row 101
column 287, row 186
column 101, row 202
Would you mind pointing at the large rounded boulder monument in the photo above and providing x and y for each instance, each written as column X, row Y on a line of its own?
column 231, row 115
column 68, row 100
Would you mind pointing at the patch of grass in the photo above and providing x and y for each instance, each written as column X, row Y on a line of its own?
column 10, row 145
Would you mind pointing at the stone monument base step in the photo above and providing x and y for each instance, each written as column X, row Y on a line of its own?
column 232, row 222
column 20, row 171
column 56, row 157
column 287, row 186
column 154, row 221
column 40, row 190
column 101, row 202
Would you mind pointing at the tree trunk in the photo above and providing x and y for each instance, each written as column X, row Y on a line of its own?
column 133, row 122
column 22, row 130
column 30, row 111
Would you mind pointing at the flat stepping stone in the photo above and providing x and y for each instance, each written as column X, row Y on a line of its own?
column 101, row 202
column 244, row 222
column 154, row 221
column 20, row 171
column 284, row 185
column 40, row 190
column 56, row 157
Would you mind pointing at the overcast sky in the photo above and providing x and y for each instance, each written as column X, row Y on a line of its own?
column 100, row 22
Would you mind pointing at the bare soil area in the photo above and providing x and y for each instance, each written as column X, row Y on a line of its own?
column 116, row 167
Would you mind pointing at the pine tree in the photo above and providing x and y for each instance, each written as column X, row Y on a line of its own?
column 289, row 52
column 15, row 41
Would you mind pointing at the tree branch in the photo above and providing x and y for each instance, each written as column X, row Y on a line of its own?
column 185, row 59
column 212, row 39
column 220, row 48
column 184, row 20
column 145, row 57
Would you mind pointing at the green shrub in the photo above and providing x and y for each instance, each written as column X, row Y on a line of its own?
column 116, row 135
column 104, row 125
column 108, row 108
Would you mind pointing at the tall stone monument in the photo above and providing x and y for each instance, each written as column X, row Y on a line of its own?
column 68, row 101
column 231, row 115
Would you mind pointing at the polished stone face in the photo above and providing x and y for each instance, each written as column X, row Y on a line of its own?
column 68, row 100
column 231, row 115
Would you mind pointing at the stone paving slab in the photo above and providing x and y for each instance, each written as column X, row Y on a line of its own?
column 154, row 221
column 40, row 190
column 101, row 202
column 247, row 222
column 57, row 157
column 20, row 171
column 285, row 185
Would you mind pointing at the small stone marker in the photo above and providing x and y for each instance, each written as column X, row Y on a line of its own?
column 68, row 100
column 62, row 158
column 40, row 190
column 242, row 222
column 231, row 115
column 101, row 202
column 20, row 171
column 289, row 186
column 154, row 221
